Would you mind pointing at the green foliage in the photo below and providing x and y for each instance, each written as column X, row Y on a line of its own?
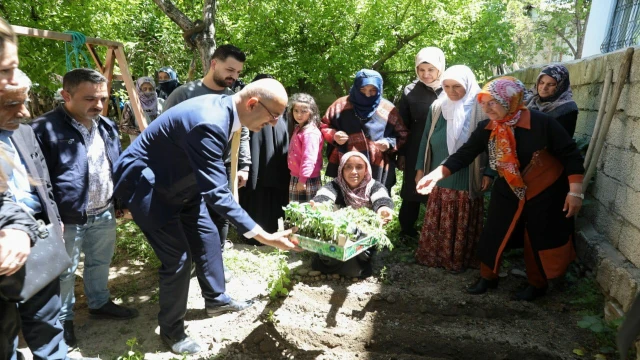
column 131, row 244
column 325, row 223
column 132, row 354
column 279, row 281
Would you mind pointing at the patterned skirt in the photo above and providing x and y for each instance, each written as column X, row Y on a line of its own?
column 313, row 185
column 451, row 229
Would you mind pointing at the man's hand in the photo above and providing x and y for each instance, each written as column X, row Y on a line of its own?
column 400, row 163
column 243, row 176
column 386, row 214
column 278, row 240
column 15, row 246
column 382, row 145
column 340, row 137
column 301, row 186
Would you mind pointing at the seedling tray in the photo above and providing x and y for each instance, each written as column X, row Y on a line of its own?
column 333, row 250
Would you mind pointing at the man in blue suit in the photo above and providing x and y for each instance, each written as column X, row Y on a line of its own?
column 169, row 175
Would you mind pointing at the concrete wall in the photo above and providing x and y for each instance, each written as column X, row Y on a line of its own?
column 613, row 207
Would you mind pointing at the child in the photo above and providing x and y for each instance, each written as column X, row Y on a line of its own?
column 305, row 149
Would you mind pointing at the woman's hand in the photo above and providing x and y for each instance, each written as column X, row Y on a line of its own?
column 301, row 186
column 419, row 175
column 386, row 214
column 426, row 184
column 572, row 204
column 15, row 247
column 486, row 183
column 340, row 137
column 382, row 145
column 313, row 204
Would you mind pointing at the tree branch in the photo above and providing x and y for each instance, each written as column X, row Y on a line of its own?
column 573, row 49
column 174, row 14
column 400, row 43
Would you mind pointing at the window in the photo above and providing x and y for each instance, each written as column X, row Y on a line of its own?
column 625, row 26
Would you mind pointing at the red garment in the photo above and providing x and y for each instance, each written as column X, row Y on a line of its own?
column 451, row 230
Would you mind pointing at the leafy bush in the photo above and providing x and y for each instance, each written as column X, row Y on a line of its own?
column 131, row 244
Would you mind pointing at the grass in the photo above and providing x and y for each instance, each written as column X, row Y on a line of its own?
column 131, row 244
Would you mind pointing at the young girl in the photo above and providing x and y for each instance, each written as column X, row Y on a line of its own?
column 305, row 149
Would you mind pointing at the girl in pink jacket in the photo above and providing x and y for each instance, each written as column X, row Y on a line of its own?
column 305, row 148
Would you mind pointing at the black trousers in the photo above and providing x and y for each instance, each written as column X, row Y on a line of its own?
column 9, row 329
column 41, row 327
column 408, row 215
column 221, row 223
column 189, row 236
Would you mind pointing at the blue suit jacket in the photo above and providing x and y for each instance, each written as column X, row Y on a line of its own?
column 178, row 159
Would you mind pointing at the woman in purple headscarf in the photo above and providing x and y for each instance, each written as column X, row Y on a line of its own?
column 151, row 106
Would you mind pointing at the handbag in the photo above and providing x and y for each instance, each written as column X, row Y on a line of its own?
column 47, row 260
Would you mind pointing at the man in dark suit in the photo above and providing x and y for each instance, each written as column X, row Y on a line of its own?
column 30, row 186
column 169, row 175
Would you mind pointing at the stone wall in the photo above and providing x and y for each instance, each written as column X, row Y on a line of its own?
column 613, row 200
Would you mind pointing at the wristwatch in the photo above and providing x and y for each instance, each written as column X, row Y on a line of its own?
column 581, row 196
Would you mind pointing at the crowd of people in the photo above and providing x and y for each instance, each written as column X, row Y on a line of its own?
column 452, row 139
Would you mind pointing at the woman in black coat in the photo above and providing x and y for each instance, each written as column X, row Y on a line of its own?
column 539, row 186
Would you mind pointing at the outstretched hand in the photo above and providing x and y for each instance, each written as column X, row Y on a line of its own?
column 15, row 247
column 427, row 183
column 279, row 240
column 385, row 214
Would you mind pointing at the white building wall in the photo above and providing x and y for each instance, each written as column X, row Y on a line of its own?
column 597, row 27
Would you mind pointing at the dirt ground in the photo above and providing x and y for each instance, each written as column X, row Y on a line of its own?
column 405, row 311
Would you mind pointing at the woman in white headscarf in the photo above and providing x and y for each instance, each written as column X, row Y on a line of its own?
column 453, row 220
column 414, row 105
column 149, row 101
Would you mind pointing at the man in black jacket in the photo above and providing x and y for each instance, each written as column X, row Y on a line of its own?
column 80, row 147
column 29, row 185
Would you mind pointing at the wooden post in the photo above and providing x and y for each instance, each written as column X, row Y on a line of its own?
column 131, row 89
column 96, row 58
column 108, row 73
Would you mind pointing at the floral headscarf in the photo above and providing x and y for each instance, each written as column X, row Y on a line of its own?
column 435, row 57
column 458, row 113
column 563, row 94
column 365, row 106
column 358, row 197
column 148, row 100
column 509, row 93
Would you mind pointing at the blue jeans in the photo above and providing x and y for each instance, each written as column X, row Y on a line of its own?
column 97, row 239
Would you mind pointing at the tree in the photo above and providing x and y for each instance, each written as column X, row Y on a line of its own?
column 567, row 20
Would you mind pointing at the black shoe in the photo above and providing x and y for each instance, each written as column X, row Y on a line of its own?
column 529, row 293
column 228, row 275
column 113, row 311
column 186, row 345
column 231, row 306
column 481, row 286
column 69, row 334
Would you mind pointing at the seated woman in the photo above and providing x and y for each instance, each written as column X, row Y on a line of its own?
column 366, row 122
column 355, row 187
column 151, row 106
column 552, row 95
column 539, row 186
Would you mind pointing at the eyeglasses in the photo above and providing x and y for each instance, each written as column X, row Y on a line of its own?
column 275, row 117
column 490, row 103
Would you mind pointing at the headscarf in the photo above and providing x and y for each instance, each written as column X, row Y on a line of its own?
column 167, row 86
column 435, row 57
column 364, row 106
column 458, row 113
column 509, row 93
column 358, row 197
column 563, row 94
column 148, row 100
